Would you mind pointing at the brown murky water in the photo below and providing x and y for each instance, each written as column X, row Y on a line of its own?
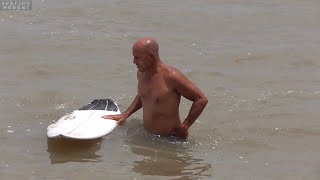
column 257, row 61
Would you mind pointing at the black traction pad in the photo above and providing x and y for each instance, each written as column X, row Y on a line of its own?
column 101, row 104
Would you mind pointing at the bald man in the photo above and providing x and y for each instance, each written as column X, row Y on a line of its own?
column 160, row 88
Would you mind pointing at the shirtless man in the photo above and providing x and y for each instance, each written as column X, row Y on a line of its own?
column 160, row 88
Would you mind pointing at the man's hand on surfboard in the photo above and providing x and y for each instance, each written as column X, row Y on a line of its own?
column 120, row 118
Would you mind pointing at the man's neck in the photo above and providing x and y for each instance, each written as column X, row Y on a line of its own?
column 155, row 68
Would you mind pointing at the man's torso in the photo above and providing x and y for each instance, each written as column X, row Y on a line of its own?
column 160, row 102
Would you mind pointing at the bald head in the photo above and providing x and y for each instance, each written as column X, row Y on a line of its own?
column 147, row 45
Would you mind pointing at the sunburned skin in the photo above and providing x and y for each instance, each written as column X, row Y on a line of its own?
column 160, row 88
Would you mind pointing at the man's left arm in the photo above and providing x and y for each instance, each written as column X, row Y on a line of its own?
column 191, row 92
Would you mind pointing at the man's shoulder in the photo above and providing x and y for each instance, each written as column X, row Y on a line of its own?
column 173, row 73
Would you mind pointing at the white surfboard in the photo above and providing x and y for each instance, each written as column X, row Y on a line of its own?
column 86, row 122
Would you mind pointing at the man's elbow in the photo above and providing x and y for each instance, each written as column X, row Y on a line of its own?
column 203, row 101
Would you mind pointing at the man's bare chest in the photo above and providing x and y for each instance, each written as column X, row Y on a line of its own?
column 153, row 89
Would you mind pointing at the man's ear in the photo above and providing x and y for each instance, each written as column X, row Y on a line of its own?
column 152, row 55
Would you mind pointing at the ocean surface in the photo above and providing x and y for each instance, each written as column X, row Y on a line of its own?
column 257, row 61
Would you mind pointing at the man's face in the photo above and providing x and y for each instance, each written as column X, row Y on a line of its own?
column 141, row 60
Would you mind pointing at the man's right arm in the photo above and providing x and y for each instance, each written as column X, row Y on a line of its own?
column 121, row 118
column 135, row 106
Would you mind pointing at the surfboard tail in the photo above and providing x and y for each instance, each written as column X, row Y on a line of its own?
column 101, row 104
